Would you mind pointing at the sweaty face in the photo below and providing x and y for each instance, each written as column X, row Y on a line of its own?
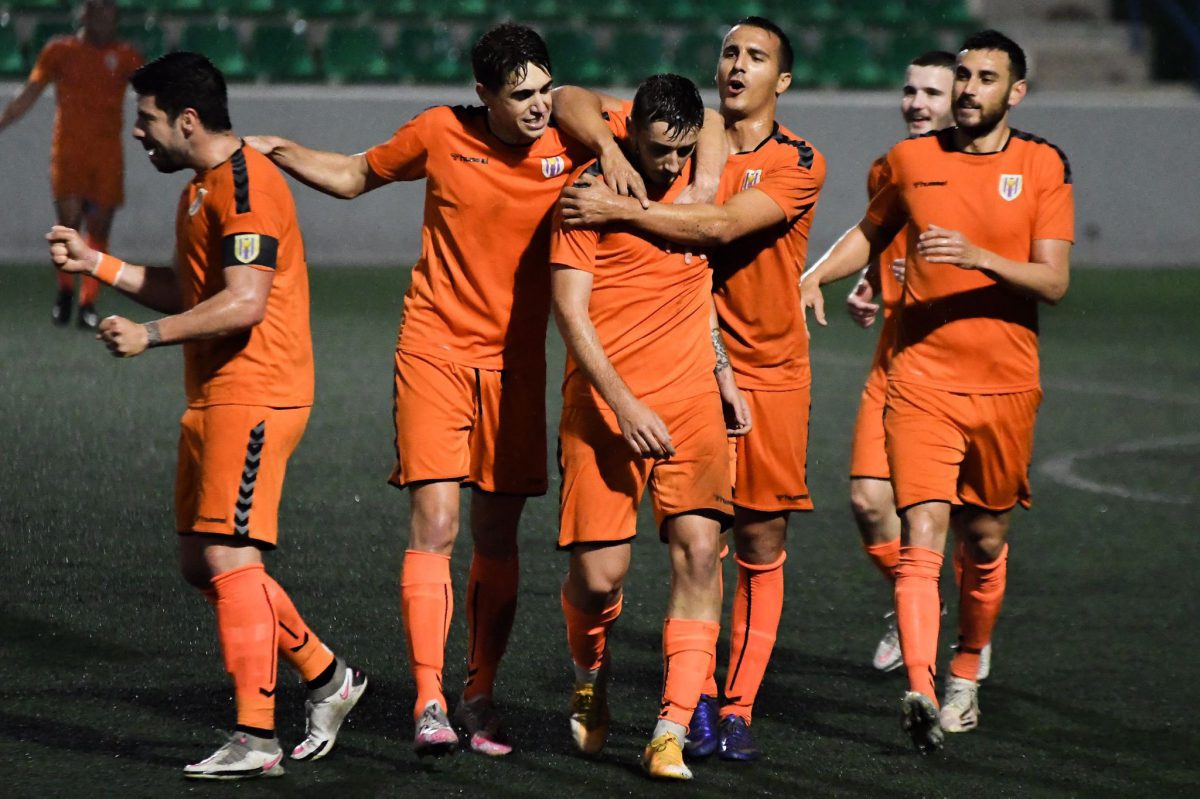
column 163, row 140
column 748, row 72
column 660, row 155
column 519, row 112
column 926, row 101
column 984, row 90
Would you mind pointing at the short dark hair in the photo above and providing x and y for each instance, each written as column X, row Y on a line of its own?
column 182, row 80
column 787, row 57
column 935, row 58
column 504, row 53
column 672, row 99
column 995, row 40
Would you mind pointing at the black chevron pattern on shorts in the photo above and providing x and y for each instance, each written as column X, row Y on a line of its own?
column 241, row 510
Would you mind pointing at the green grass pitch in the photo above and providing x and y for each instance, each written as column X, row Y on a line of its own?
column 110, row 679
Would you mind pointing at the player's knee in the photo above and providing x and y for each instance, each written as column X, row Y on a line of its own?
column 434, row 530
column 601, row 587
column 698, row 557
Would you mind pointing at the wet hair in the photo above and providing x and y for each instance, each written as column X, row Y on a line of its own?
column 672, row 99
column 787, row 57
column 995, row 40
column 935, row 58
column 182, row 80
column 504, row 53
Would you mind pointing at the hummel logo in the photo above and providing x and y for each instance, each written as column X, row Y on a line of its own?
column 921, row 184
column 210, row 519
column 468, row 159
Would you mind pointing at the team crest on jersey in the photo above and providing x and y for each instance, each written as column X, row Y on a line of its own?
column 1010, row 187
column 553, row 167
column 751, row 179
column 246, row 247
column 196, row 203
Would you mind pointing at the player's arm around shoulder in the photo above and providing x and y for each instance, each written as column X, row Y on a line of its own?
column 342, row 176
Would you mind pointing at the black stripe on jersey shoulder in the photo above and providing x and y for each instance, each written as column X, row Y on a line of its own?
column 1029, row 137
column 804, row 151
column 241, row 182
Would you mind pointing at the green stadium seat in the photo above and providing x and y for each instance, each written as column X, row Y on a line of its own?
column 575, row 57
column 280, row 53
column 723, row 12
column 468, row 9
column 12, row 64
column 877, row 13
column 397, row 9
column 616, row 11
column 326, row 8
column 696, row 55
column 146, row 35
column 536, row 10
column 220, row 44
column 250, row 8
column 427, row 54
column 41, row 6
column 355, row 55
column 905, row 45
column 634, row 54
column 683, row 11
column 184, row 6
column 846, row 61
column 44, row 30
column 790, row 13
column 948, row 13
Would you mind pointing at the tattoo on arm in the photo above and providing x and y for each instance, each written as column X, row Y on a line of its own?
column 719, row 348
column 153, row 337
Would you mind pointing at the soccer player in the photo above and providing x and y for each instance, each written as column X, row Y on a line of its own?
column 89, row 71
column 470, row 355
column 988, row 215
column 642, row 406
column 767, row 195
column 237, row 301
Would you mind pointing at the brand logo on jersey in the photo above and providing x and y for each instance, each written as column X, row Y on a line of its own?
column 553, row 167
column 1010, row 187
column 468, row 159
column 196, row 203
column 923, row 184
column 246, row 247
column 751, row 179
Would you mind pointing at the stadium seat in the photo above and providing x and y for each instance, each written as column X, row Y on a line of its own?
column 672, row 10
column 634, row 54
column 280, row 53
column 250, row 8
column 615, row 11
column 355, row 55
column 537, row 10
column 183, row 6
column 397, row 9
column 696, row 55
column 326, row 8
column 877, row 13
column 468, row 9
column 905, row 45
column 220, row 44
column 37, row 5
column 427, row 54
column 948, row 13
column 846, row 61
column 43, row 31
column 146, row 35
column 575, row 56
column 12, row 65
column 789, row 13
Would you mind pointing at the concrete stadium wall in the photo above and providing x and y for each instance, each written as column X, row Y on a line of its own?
column 1134, row 158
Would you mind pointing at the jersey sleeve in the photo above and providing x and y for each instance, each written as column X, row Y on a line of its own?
column 573, row 248
column 875, row 176
column 403, row 156
column 886, row 209
column 251, row 237
column 618, row 121
column 794, row 180
column 1056, row 198
column 45, row 69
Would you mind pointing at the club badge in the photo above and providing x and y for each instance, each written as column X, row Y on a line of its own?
column 246, row 247
column 553, row 167
column 751, row 179
column 1010, row 187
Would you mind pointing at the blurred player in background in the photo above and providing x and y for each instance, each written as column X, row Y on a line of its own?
column 237, row 301
column 89, row 70
column 988, row 216
column 767, row 195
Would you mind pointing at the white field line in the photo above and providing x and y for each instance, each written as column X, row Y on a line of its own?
column 1061, row 468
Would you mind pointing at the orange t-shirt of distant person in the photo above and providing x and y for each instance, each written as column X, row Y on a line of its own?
column 650, row 308
column 89, row 82
column 241, row 214
column 961, row 330
column 480, row 293
column 756, row 279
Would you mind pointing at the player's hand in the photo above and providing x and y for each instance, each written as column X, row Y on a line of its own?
column 697, row 193
column 621, row 175
column 645, row 431
column 811, row 297
column 123, row 338
column 941, row 246
column 590, row 203
column 264, row 144
column 898, row 272
column 859, row 305
column 737, row 410
column 69, row 253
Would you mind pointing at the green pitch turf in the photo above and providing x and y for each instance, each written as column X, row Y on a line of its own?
column 110, row 679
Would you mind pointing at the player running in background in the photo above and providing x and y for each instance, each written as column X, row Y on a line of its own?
column 925, row 106
column 759, row 229
column 237, row 301
column 89, row 70
column 988, row 212
column 641, row 406
column 470, row 356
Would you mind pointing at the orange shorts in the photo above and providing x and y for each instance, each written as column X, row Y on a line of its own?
column 483, row 427
column 93, row 172
column 770, row 462
column 232, row 459
column 603, row 480
column 868, row 456
column 971, row 449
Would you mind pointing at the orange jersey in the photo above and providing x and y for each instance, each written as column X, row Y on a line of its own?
column 242, row 213
column 480, row 292
column 961, row 330
column 757, row 278
column 89, row 82
column 649, row 307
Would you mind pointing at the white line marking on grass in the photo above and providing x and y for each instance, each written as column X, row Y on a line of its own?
column 1129, row 392
column 1062, row 469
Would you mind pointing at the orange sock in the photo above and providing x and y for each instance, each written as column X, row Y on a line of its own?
column 491, row 608
column 248, row 628
column 757, row 606
column 587, row 633
column 427, row 603
column 979, row 603
column 688, row 646
column 65, row 281
column 918, row 614
column 885, row 556
column 710, row 680
column 298, row 644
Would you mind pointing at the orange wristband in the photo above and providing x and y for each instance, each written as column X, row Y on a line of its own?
column 108, row 270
